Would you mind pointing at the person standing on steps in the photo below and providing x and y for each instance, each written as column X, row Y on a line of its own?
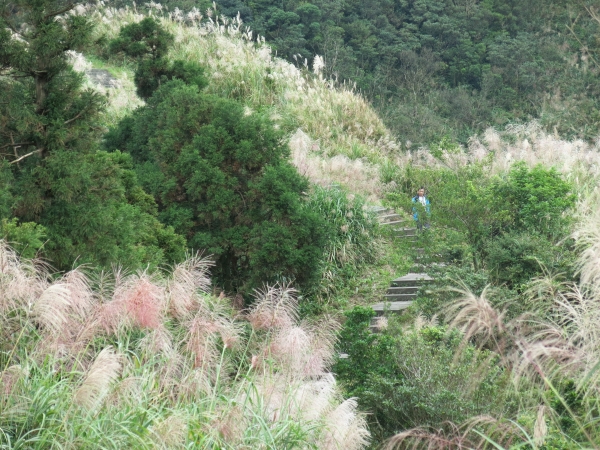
column 421, row 209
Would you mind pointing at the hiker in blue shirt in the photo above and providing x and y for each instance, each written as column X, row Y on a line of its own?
column 421, row 204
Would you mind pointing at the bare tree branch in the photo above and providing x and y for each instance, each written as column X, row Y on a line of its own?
column 16, row 144
column 73, row 119
column 39, row 150
column 60, row 11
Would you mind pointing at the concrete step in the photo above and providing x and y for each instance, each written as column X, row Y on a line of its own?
column 399, row 297
column 394, row 223
column 406, row 232
column 386, row 218
column 411, row 279
column 102, row 77
column 402, row 290
column 380, row 210
column 392, row 307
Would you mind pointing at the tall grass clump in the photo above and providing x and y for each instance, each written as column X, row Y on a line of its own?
column 154, row 361
column 577, row 160
column 552, row 353
column 352, row 239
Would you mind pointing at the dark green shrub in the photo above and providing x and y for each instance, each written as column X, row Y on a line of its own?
column 221, row 178
column 148, row 43
column 51, row 173
column 515, row 258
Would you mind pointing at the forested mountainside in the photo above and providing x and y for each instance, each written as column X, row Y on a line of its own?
column 436, row 68
column 117, row 331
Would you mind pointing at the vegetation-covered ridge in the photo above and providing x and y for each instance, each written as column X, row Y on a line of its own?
column 338, row 127
column 436, row 68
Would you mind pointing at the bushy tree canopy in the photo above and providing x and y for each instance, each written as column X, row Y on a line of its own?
column 148, row 42
column 220, row 177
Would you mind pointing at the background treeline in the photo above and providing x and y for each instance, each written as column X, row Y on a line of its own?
column 444, row 67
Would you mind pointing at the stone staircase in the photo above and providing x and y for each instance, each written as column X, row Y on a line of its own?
column 403, row 290
column 401, row 293
column 400, row 224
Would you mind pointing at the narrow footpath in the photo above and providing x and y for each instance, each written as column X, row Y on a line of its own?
column 403, row 290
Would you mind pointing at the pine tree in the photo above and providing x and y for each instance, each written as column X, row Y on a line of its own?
column 148, row 42
column 50, row 167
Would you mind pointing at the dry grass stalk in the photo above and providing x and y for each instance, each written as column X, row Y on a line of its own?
column 475, row 316
column 274, row 307
column 345, row 428
column 294, row 385
column 170, row 432
column 189, row 278
column 103, row 372
column 21, row 282
column 469, row 436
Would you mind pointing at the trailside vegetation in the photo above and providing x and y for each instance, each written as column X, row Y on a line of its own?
column 145, row 360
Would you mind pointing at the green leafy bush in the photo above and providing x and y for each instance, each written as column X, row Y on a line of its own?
column 514, row 258
column 417, row 377
column 26, row 238
column 220, row 177
column 535, row 200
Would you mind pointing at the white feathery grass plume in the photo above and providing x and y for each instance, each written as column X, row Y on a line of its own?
column 143, row 298
column 78, row 61
column 188, row 279
column 157, row 342
column 96, row 384
column 20, row 281
column 315, row 397
column 170, row 432
column 587, row 238
column 540, row 429
column 9, row 377
column 318, row 65
column 466, row 436
column 345, row 428
column 291, row 348
column 81, row 295
column 274, row 307
column 65, row 312
column 381, row 323
column 476, row 316
column 171, row 374
column 129, row 391
column 204, row 332
column 51, row 309
column 229, row 425
column 195, row 384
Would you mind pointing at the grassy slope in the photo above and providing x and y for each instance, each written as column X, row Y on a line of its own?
column 335, row 136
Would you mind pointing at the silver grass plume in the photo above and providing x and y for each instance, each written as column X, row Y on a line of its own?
column 96, row 384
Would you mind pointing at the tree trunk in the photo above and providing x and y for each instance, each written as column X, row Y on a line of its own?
column 41, row 90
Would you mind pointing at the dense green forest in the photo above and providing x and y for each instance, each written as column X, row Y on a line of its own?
column 189, row 257
column 435, row 68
